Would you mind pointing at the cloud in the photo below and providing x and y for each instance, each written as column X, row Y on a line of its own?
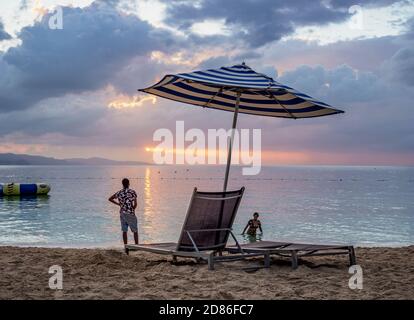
column 378, row 117
column 259, row 22
column 3, row 34
column 401, row 66
column 56, row 86
column 72, row 115
column 365, row 54
column 93, row 45
column 410, row 29
column 216, row 62
column 340, row 85
column 347, row 3
column 233, row 59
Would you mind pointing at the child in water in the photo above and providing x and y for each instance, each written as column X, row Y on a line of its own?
column 252, row 226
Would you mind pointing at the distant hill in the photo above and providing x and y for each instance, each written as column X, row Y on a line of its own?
column 25, row 159
column 103, row 162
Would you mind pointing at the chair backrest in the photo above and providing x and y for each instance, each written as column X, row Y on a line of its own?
column 209, row 210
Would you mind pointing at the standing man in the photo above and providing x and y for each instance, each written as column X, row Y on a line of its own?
column 127, row 201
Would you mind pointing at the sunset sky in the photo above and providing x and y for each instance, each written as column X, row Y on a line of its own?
column 73, row 92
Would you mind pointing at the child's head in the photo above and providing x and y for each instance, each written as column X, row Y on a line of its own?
column 256, row 215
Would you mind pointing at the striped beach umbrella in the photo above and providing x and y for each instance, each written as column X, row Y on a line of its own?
column 239, row 89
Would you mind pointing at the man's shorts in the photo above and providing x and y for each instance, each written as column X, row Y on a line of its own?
column 129, row 220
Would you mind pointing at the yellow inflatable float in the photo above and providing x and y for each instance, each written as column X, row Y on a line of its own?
column 17, row 189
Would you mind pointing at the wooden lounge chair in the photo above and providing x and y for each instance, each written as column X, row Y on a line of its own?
column 296, row 250
column 205, row 231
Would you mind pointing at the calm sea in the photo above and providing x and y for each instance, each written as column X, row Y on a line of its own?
column 357, row 205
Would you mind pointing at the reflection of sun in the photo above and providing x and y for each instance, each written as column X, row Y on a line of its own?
column 147, row 193
column 150, row 149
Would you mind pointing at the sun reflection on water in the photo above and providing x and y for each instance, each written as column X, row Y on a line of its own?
column 148, row 201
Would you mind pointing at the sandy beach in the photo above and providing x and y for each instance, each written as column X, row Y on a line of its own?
column 388, row 273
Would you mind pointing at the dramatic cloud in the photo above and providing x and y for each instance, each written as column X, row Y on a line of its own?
column 260, row 22
column 348, row 3
column 341, row 85
column 93, row 45
column 401, row 66
column 410, row 29
column 55, row 87
column 373, row 107
column 3, row 34
column 364, row 55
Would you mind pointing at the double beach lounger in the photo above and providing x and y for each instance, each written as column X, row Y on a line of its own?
column 207, row 228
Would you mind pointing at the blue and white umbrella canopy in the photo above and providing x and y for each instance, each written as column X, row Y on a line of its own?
column 258, row 93
column 239, row 89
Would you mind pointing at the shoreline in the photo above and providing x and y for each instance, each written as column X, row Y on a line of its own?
column 102, row 273
column 120, row 246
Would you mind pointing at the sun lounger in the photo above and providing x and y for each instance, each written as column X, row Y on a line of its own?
column 205, row 231
column 295, row 250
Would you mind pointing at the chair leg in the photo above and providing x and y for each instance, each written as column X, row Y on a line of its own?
column 294, row 260
column 210, row 261
column 199, row 260
column 352, row 257
column 267, row 260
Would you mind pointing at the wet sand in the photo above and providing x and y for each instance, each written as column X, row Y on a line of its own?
column 388, row 273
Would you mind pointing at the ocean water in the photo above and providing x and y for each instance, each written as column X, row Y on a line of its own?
column 366, row 206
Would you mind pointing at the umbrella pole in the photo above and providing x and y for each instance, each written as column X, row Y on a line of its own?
column 236, row 112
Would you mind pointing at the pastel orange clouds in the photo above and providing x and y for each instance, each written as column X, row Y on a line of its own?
column 125, row 102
